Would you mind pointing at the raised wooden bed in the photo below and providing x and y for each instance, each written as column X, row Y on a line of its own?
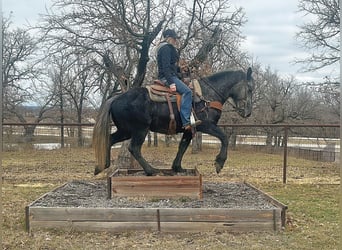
column 127, row 183
column 154, row 219
column 162, row 219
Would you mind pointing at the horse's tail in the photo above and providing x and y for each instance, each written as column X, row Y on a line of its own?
column 101, row 136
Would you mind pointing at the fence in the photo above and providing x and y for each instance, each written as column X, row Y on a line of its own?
column 311, row 142
column 46, row 136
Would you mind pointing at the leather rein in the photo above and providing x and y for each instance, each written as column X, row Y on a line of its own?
column 212, row 104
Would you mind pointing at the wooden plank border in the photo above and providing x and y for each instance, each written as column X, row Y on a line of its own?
column 273, row 201
column 120, row 183
column 153, row 219
column 27, row 208
column 156, row 219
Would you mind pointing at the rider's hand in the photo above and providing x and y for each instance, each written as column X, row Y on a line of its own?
column 173, row 87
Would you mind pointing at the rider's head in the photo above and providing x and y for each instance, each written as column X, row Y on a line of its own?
column 170, row 36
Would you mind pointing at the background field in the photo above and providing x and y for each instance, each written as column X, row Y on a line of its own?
column 312, row 194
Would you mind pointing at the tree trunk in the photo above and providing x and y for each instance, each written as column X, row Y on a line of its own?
column 269, row 139
column 29, row 133
column 155, row 139
column 149, row 139
column 231, row 132
column 197, row 143
column 233, row 139
column 125, row 159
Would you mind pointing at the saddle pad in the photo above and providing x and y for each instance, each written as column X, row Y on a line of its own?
column 197, row 87
column 162, row 92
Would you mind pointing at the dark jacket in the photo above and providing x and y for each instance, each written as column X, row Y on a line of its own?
column 167, row 59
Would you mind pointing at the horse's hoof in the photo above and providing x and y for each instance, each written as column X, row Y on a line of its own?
column 218, row 167
column 97, row 171
column 178, row 170
column 152, row 172
column 182, row 170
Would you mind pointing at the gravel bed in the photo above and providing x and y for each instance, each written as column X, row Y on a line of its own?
column 94, row 194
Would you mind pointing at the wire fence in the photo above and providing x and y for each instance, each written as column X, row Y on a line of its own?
column 293, row 152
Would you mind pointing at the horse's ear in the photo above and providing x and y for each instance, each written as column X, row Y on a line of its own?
column 249, row 74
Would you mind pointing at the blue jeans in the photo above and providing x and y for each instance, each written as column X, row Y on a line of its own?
column 186, row 102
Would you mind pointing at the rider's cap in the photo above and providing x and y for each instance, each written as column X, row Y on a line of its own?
column 170, row 33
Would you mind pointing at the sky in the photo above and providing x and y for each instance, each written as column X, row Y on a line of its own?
column 271, row 37
column 270, row 32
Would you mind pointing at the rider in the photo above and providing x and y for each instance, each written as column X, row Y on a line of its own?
column 167, row 59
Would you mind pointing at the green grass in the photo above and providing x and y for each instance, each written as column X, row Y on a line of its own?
column 311, row 195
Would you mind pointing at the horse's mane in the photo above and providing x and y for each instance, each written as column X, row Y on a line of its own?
column 224, row 74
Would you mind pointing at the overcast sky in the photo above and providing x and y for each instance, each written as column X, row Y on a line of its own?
column 270, row 36
column 270, row 31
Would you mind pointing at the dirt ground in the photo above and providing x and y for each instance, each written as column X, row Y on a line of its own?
column 311, row 195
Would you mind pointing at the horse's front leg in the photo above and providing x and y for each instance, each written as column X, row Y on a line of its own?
column 222, row 156
column 182, row 147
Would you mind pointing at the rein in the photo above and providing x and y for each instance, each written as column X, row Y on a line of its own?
column 212, row 104
column 212, row 87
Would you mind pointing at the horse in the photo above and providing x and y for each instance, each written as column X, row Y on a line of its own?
column 134, row 114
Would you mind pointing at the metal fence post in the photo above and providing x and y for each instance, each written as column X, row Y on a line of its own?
column 285, row 153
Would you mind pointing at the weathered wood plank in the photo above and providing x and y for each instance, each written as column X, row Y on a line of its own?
column 273, row 201
column 94, row 226
column 218, row 226
column 150, row 214
column 216, row 214
column 156, row 179
column 168, row 172
column 155, row 189
column 152, row 185
column 156, row 192
column 92, row 214
column 156, row 186
column 154, row 219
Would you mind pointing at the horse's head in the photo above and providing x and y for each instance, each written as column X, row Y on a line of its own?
column 241, row 95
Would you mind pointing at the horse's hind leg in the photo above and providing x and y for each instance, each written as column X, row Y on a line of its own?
column 116, row 137
column 183, row 145
column 134, row 147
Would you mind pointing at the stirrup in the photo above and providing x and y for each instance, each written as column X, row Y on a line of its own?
column 193, row 121
column 196, row 123
column 192, row 125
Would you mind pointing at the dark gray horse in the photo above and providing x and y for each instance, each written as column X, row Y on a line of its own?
column 134, row 114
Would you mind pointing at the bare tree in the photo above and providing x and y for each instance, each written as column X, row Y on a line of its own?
column 283, row 100
column 18, row 49
column 21, row 75
column 80, row 86
column 120, row 35
column 115, row 34
column 329, row 96
column 320, row 35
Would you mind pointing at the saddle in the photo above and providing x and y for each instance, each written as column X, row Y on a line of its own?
column 158, row 92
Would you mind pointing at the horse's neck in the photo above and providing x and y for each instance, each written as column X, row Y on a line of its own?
column 212, row 92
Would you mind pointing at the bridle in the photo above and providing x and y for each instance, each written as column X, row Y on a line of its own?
column 204, row 80
column 234, row 105
column 244, row 101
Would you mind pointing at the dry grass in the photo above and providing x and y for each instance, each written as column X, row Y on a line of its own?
column 311, row 194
